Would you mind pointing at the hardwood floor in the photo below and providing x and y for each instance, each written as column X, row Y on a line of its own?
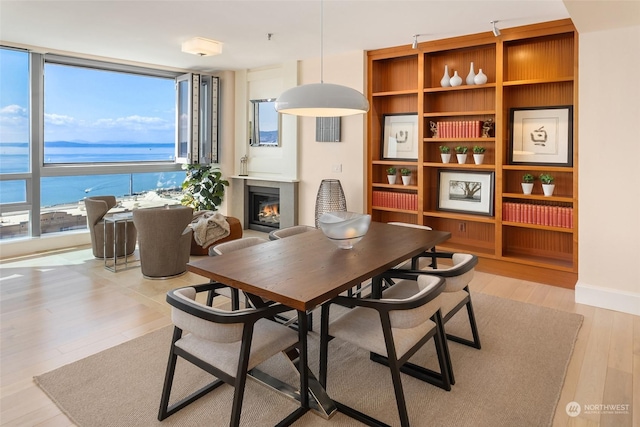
column 60, row 307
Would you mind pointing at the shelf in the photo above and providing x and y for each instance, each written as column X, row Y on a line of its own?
column 538, row 227
column 462, row 87
column 566, row 169
column 394, row 186
column 544, row 262
column 537, row 81
column 396, row 92
column 458, row 247
column 439, row 140
column 537, row 197
column 381, row 208
column 394, row 162
column 458, row 165
column 461, row 113
column 461, row 217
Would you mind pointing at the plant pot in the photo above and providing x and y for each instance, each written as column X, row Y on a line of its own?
column 527, row 187
column 547, row 189
column 446, row 157
column 462, row 158
column 478, row 158
column 392, row 179
column 406, row 180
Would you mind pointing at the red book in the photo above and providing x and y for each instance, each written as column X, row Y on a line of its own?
column 570, row 217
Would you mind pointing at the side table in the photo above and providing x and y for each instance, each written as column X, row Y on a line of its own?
column 115, row 219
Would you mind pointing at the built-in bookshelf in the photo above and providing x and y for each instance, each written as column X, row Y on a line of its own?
column 532, row 67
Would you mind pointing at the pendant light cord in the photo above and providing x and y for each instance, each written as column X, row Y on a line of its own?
column 321, row 41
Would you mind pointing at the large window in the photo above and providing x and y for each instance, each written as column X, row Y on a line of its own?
column 106, row 129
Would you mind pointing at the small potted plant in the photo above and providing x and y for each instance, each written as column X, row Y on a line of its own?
column 406, row 176
column 391, row 175
column 478, row 154
column 527, row 183
column 461, row 154
column 547, row 184
column 445, row 153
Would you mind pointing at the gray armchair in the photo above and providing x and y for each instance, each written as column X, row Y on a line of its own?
column 164, row 240
column 97, row 207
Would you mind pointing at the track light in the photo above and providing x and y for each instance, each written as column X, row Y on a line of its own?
column 496, row 31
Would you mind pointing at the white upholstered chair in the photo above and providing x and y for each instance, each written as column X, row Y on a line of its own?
column 289, row 231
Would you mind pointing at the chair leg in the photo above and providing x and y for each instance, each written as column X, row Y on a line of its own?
column 444, row 357
column 399, row 392
column 474, row 326
column 241, row 376
column 168, row 379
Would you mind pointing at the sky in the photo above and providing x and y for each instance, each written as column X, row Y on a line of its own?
column 86, row 105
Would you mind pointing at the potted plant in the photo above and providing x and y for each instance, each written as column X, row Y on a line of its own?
column 445, row 153
column 478, row 154
column 203, row 187
column 391, row 175
column 461, row 154
column 547, row 184
column 527, row 183
column 406, row 176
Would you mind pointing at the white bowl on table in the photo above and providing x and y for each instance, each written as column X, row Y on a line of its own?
column 345, row 229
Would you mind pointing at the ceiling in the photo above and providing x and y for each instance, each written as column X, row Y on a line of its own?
column 151, row 32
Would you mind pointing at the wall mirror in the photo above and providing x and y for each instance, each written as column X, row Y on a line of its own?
column 264, row 127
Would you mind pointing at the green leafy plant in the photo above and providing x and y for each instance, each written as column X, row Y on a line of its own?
column 527, row 178
column 546, row 178
column 405, row 172
column 478, row 149
column 444, row 149
column 203, row 187
column 461, row 150
column 391, row 171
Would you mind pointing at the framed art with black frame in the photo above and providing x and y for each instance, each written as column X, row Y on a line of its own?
column 466, row 191
column 400, row 136
column 542, row 136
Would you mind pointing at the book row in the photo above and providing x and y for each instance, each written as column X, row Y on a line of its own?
column 457, row 129
column 389, row 199
column 527, row 213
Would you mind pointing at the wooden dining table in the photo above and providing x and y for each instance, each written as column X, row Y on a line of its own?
column 305, row 270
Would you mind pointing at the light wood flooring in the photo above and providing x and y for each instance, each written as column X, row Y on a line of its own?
column 59, row 307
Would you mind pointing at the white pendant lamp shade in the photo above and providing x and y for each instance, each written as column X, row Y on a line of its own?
column 322, row 100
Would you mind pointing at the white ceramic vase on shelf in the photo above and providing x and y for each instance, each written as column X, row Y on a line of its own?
column 547, row 189
column 406, row 179
column 446, row 157
column 480, row 78
column 391, row 179
column 527, row 187
column 471, row 76
column 462, row 158
column 456, row 80
column 445, row 79
column 478, row 158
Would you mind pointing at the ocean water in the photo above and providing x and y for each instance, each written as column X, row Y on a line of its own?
column 14, row 158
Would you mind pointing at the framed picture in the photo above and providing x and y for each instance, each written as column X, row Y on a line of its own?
column 400, row 136
column 465, row 191
column 542, row 136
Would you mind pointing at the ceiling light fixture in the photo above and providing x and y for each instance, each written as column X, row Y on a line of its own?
column 496, row 31
column 321, row 99
column 202, row 47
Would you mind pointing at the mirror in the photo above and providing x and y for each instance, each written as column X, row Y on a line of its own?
column 264, row 127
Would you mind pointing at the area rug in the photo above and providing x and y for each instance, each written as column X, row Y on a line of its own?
column 514, row 380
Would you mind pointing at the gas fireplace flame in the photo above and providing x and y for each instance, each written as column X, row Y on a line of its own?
column 270, row 213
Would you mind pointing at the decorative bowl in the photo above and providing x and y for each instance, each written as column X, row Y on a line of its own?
column 345, row 229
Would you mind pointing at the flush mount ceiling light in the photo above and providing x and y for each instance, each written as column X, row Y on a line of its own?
column 202, row 47
column 496, row 31
column 321, row 99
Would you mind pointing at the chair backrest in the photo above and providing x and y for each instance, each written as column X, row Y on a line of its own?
column 290, row 231
column 418, row 308
column 161, row 226
column 234, row 245
column 97, row 207
column 460, row 273
column 406, row 224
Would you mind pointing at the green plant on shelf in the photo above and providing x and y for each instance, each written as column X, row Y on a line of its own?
column 444, row 149
column 405, row 172
column 478, row 149
column 546, row 178
column 461, row 150
column 528, row 178
column 391, row 171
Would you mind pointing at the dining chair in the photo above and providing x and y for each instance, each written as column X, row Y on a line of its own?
column 226, row 344
column 414, row 260
column 456, row 293
column 289, row 231
column 394, row 327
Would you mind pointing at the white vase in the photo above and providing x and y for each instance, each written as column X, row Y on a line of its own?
column 446, row 157
column 406, row 180
column 547, row 189
column 527, row 187
column 456, row 80
column 462, row 158
column 392, row 179
column 445, row 79
column 480, row 78
column 478, row 158
column 471, row 75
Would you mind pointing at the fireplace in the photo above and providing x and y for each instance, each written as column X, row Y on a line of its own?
column 264, row 208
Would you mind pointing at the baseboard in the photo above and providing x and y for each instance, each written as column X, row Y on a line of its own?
column 29, row 246
column 612, row 299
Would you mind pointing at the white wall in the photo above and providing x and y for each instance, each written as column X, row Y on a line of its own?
column 609, row 183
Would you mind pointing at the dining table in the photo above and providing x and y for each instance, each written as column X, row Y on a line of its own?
column 305, row 270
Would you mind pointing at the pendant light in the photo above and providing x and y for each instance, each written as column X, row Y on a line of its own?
column 321, row 99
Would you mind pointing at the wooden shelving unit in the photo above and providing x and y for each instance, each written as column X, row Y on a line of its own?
column 530, row 66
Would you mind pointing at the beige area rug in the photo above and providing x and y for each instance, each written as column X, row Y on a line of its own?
column 515, row 380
